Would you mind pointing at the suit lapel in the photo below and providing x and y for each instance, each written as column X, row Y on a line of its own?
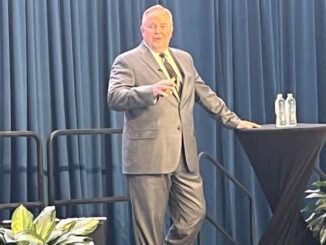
column 149, row 60
column 178, row 64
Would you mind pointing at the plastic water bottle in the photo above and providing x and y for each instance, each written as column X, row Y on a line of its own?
column 291, row 111
column 280, row 111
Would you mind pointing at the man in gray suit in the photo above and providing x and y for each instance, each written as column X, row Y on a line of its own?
column 156, row 87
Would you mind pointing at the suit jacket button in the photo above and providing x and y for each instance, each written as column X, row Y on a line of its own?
column 179, row 128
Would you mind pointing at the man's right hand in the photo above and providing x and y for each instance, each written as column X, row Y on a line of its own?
column 163, row 87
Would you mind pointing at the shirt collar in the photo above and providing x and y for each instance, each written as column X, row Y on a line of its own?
column 166, row 51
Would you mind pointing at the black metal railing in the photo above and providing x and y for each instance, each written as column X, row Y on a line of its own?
column 40, row 172
column 52, row 189
column 217, row 226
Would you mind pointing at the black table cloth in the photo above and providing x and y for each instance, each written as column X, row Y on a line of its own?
column 283, row 159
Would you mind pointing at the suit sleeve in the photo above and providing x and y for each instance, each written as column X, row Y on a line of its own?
column 213, row 104
column 123, row 94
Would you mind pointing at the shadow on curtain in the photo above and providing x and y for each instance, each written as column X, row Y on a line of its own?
column 55, row 57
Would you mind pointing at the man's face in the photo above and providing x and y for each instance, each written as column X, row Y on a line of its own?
column 157, row 30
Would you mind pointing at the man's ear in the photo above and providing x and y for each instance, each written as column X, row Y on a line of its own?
column 141, row 29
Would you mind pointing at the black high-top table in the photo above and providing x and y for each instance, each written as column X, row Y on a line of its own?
column 283, row 160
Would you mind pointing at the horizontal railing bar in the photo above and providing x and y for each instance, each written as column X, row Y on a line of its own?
column 92, row 200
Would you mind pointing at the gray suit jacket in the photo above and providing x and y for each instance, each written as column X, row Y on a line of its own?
column 155, row 131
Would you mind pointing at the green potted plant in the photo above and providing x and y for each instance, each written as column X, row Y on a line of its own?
column 45, row 229
column 316, row 210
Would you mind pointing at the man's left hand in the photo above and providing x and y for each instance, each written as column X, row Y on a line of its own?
column 247, row 124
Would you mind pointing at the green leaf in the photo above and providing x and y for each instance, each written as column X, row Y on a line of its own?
column 78, row 234
column 7, row 236
column 316, row 195
column 309, row 208
column 319, row 183
column 313, row 191
column 72, row 239
column 320, row 201
column 322, row 235
column 66, row 225
column 22, row 220
column 85, row 226
column 61, row 228
column 54, row 237
column 321, row 206
column 59, row 240
column 317, row 220
column 29, row 236
column 45, row 222
column 311, row 217
column 2, row 238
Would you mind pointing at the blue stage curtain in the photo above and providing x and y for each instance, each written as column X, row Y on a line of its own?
column 55, row 57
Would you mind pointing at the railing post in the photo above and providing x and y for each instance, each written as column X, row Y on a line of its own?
column 40, row 170
column 76, row 132
column 242, row 188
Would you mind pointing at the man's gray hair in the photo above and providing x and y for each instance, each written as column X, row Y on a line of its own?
column 156, row 7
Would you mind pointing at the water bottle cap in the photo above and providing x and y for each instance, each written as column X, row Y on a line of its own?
column 290, row 94
column 279, row 95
